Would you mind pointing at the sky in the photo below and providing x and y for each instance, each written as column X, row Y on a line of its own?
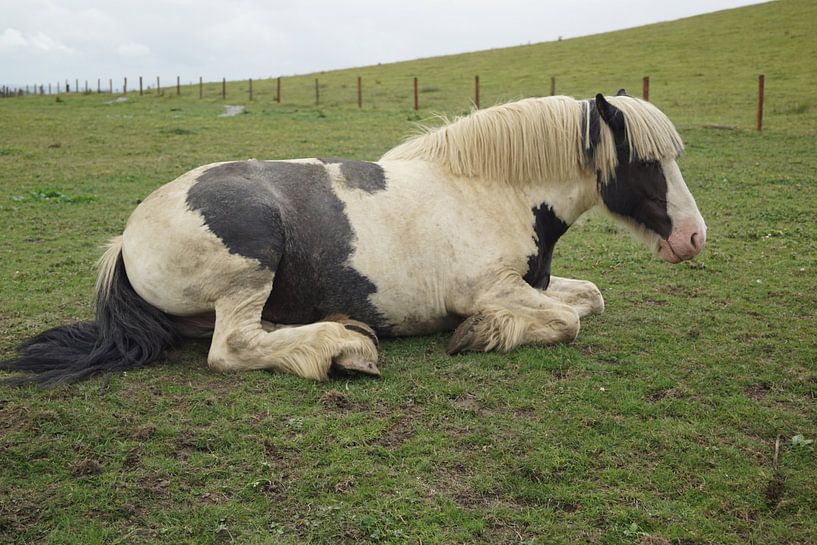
column 43, row 41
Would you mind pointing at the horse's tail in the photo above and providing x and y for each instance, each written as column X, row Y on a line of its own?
column 127, row 333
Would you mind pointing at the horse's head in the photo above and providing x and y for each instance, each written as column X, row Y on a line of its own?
column 646, row 190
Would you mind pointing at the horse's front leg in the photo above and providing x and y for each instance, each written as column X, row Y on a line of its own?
column 512, row 313
column 584, row 296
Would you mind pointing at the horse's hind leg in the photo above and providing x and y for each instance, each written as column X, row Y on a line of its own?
column 582, row 295
column 241, row 341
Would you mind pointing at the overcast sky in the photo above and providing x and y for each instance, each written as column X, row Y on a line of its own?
column 44, row 41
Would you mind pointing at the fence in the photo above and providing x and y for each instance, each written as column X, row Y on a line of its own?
column 277, row 97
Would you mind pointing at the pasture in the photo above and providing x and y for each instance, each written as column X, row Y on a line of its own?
column 684, row 414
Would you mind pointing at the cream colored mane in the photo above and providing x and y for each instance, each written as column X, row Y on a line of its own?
column 540, row 140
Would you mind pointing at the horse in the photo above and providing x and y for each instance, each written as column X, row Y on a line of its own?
column 301, row 265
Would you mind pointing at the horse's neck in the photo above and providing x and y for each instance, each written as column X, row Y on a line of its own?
column 569, row 199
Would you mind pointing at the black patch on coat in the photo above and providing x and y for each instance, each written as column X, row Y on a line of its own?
column 369, row 177
column 547, row 229
column 287, row 216
column 639, row 192
column 242, row 210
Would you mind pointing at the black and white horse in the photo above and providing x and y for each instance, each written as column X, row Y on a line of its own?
column 298, row 265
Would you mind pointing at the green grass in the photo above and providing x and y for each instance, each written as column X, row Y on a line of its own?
column 657, row 425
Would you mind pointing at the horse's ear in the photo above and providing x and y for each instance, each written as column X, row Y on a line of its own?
column 605, row 110
column 610, row 114
column 621, row 92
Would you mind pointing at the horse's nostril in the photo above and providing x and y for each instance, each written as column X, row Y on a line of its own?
column 695, row 240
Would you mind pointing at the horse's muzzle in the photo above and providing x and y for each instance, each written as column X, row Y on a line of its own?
column 683, row 243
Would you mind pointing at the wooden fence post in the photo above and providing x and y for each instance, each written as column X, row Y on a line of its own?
column 317, row 93
column 158, row 87
column 553, row 86
column 645, row 88
column 223, row 88
column 125, row 87
column 251, row 89
column 476, row 91
column 416, row 96
column 98, row 86
column 140, row 85
column 278, row 91
column 761, row 89
column 359, row 93
column 201, row 87
column 110, row 84
column 178, row 86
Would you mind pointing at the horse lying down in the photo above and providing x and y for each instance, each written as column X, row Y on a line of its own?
column 300, row 265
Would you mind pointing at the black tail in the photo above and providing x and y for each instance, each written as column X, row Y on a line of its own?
column 127, row 333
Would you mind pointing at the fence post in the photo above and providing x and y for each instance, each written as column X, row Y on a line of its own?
column 552, row 86
column 158, row 87
column 178, row 86
column 76, row 86
column 476, row 91
column 110, row 84
column 359, row 93
column 98, row 86
column 125, row 87
column 645, row 88
column 761, row 84
column 201, row 87
column 317, row 93
column 140, row 86
column 278, row 91
column 416, row 96
column 223, row 88
column 250, row 89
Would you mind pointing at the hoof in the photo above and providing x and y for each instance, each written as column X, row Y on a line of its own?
column 466, row 337
column 354, row 364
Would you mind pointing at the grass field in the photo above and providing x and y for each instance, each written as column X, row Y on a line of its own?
column 682, row 415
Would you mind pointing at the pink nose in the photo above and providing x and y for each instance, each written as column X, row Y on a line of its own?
column 683, row 243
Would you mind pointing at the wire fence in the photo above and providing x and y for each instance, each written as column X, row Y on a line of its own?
column 337, row 89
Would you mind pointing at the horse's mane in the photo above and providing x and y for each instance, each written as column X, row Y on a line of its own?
column 541, row 139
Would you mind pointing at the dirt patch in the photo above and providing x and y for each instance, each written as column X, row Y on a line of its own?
column 154, row 485
column 86, row 467
column 17, row 516
column 666, row 393
column 132, row 460
column 144, row 432
column 654, row 540
column 757, row 391
column 399, row 431
column 344, row 486
column 334, row 399
column 775, row 489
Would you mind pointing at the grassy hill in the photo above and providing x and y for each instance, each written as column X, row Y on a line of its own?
column 671, row 419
